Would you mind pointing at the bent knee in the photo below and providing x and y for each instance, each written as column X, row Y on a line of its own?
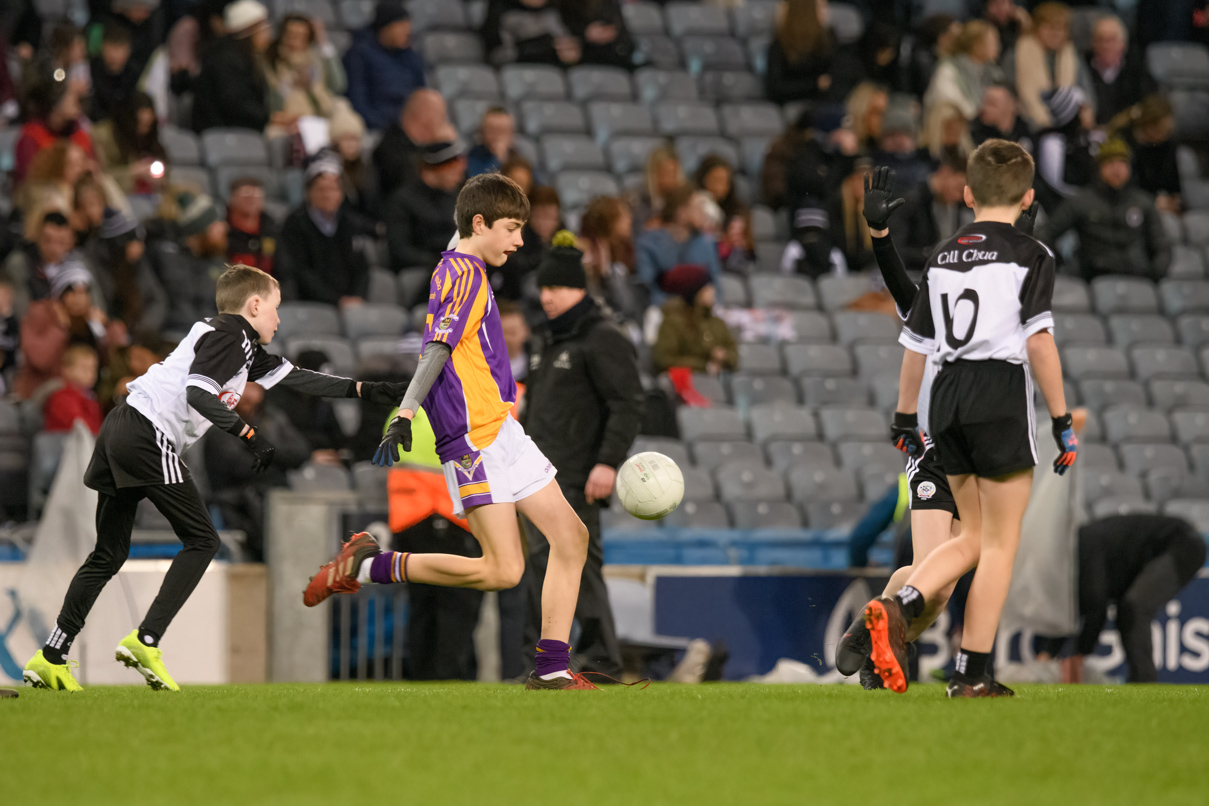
column 504, row 575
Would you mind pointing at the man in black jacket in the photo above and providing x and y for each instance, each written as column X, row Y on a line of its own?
column 231, row 90
column 583, row 408
column 419, row 216
column 424, row 120
column 316, row 260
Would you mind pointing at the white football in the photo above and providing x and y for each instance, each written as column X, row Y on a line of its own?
column 649, row 485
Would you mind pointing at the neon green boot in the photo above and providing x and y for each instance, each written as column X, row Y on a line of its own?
column 41, row 673
column 147, row 661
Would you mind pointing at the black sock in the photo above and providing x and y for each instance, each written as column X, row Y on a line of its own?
column 911, row 601
column 148, row 638
column 972, row 664
column 57, row 646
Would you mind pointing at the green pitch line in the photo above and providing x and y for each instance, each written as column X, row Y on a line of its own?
column 715, row 744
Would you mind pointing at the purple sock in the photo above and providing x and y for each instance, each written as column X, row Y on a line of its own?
column 552, row 656
column 388, row 567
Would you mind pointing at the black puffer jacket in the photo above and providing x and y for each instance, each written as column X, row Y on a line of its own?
column 231, row 90
column 583, row 397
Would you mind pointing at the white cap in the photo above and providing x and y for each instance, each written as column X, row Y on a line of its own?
column 243, row 15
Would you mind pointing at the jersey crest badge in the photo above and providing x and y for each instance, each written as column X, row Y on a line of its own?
column 966, row 240
column 468, row 463
column 229, row 398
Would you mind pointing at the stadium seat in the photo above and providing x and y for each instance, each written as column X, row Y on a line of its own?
column 376, row 347
column 692, row 148
column 779, row 422
column 1097, row 393
column 817, row 359
column 783, row 454
column 1166, row 483
column 1187, row 263
column 435, row 15
column 46, row 451
column 268, row 177
column 714, row 423
column 697, row 515
column 832, row 514
column 846, row 21
column 850, row 422
column 1078, row 328
column 709, row 386
column 1193, row 329
column 754, row 18
column 671, row 448
column 653, row 50
column 1184, row 296
column 765, row 515
column 451, row 47
column 833, row 391
column 711, row 453
column 763, row 222
column 533, row 81
column 1179, row 64
column 193, row 177
column 1107, row 507
column 757, row 53
column 1071, row 295
column 468, row 113
column 234, row 147
column 856, row 326
column 1098, row 457
column 810, row 482
column 1195, row 511
column 312, row 478
column 338, row 350
column 599, row 83
column 413, row 287
column 1080, row 362
column 712, row 53
column 774, row 291
column 467, row 81
column 698, row 483
column 577, row 188
column 1163, row 362
column 733, row 85
column 748, row 481
column 875, row 358
column 609, row 119
column 552, row 117
column 1108, row 483
column 1167, row 394
column 811, row 326
column 369, row 481
column 374, row 320
column 1114, row 294
column 884, row 387
column 1130, row 424
column 183, row 147
column 856, row 456
column 686, row 117
column 643, row 18
column 750, row 119
column 758, row 390
column 1138, row 458
column 837, row 293
column 357, row 14
column 382, row 288
column 1129, row 329
column 1191, row 425
column 312, row 318
column 563, row 151
column 733, row 289
column 652, row 85
column 875, row 482
column 760, row 359
column 769, row 254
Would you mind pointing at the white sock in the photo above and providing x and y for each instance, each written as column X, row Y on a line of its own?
column 552, row 675
column 363, row 574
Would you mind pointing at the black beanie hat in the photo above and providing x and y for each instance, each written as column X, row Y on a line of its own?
column 563, row 265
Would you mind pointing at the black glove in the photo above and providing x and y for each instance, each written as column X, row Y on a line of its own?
column 880, row 203
column 385, row 393
column 1027, row 219
column 904, row 433
column 397, row 436
column 262, row 452
column 1068, row 443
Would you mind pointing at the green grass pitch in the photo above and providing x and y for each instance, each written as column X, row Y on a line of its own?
column 405, row 743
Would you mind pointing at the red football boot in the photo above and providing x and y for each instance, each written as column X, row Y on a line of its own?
column 888, row 633
column 340, row 575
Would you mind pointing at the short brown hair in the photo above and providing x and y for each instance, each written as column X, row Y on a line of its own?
column 77, row 351
column 238, row 284
column 675, row 199
column 493, row 196
column 999, row 173
column 544, row 195
column 1051, row 14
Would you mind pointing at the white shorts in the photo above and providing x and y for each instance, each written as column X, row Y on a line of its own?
column 508, row 470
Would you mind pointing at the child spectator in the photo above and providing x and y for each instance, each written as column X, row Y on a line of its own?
column 497, row 132
column 383, row 69
column 420, row 214
column 717, row 176
column 676, row 240
column 530, row 31
column 663, row 175
column 76, row 400
column 232, row 90
column 113, row 75
column 305, row 73
column 691, row 336
column 128, row 146
column 67, row 317
column 251, row 232
column 737, row 245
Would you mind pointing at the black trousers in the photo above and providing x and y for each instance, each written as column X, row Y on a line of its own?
column 182, row 505
column 597, row 649
column 1159, row 582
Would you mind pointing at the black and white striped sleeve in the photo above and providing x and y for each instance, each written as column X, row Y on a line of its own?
column 919, row 333
column 218, row 357
column 267, row 369
column 1037, row 294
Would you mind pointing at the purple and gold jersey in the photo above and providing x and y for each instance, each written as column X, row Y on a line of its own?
column 475, row 390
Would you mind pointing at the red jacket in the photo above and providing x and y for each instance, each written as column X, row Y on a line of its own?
column 69, row 404
column 35, row 137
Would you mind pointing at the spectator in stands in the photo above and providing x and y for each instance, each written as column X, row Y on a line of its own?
column 1009, row 19
column 1064, row 161
column 305, row 73
column 676, row 240
column 849, row 232
column 75, row 400
column 419, row 218
column 934, row 212
column 606, row 236
column 30, row 270
column 530, row 31
column 10, row 335
column 312, row 416
column 545, row 219
column 67, row 316
column 190, row 269
column 251, row 232
column 9, row 107
column 867, row 105
column 737, row 243
column 947, row 132
column 934, row 40
column 497, row 132
column 134, row 297
column 600, row 28
column 232, row 90
column 803, row 161
column 691, row 335
column 520, row 171
column 805, row 61
column 1119, row 78
column 424, row 120
column 813, row 251
column 68, row 51
column 1119, row 229
column 516, row 338
column 52, row 112
column 962, row 79
column 315, row 254
column 663, row 175
column 878, row 51
column 383, row 69
column 1046, row 60
column 717, row 177
column 144, row 22
column 898, row 148
column 359, row 181
column 52, row 176
column 1146, row 128
column 128, row 146
column 113, row 75
column 999, row 118
column 88, row 210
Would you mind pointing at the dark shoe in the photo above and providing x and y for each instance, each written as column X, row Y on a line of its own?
column 853, row 649
column 888, row 636
column 870, row 679
column 962, row 686
column 576, row 682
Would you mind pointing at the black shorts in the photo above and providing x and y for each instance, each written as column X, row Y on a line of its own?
column 131, row 452
column 928, row 482
column 982, row 418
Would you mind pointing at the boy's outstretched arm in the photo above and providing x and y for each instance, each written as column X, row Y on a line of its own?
column 209, row 406
column 398, row 435
column 880, row 204
column 322, row 385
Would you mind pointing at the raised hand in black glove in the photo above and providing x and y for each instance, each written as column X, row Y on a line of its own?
column 880, row 203
column 262, row 452
column 1027, row 219
column 904, row 434
column 382, row 392
column 397, row 436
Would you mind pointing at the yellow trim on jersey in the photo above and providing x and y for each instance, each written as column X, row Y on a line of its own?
column 474, row 489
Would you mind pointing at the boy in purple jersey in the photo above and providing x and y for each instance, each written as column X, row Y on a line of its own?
column 492, row 468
